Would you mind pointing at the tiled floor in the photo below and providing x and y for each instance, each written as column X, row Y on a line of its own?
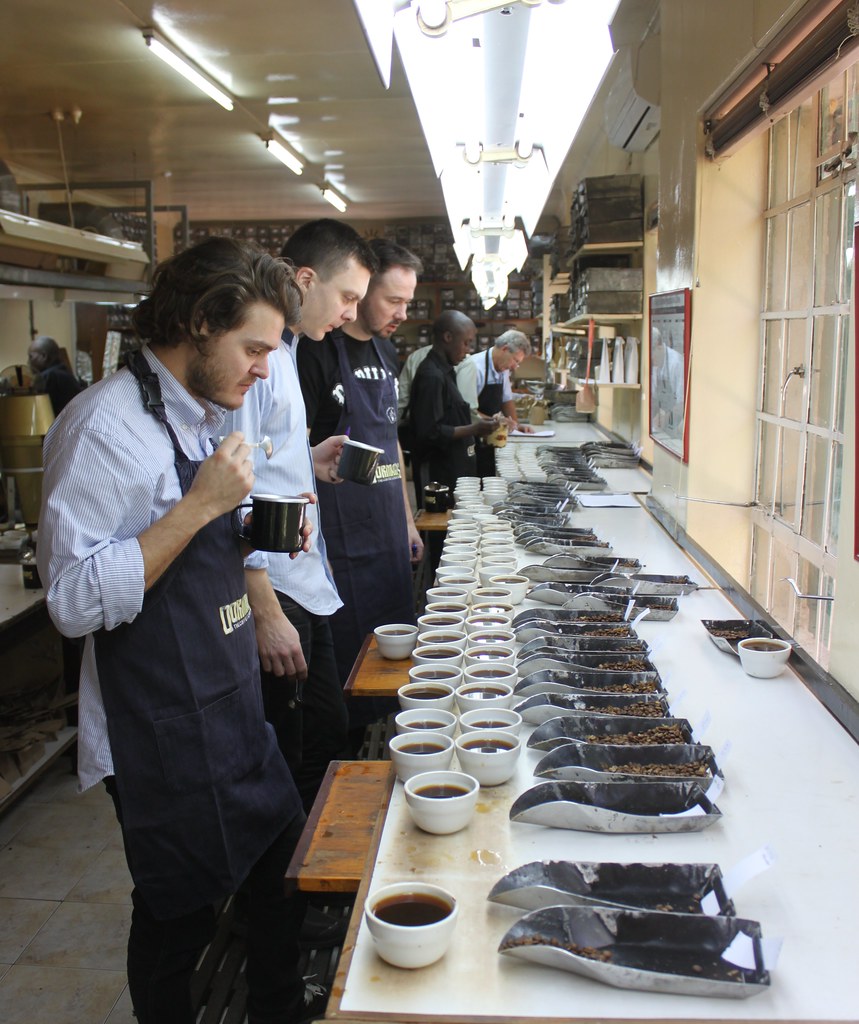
column 64, row 907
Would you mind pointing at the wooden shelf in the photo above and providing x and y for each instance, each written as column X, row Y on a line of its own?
column 602, row 318
column 595, row 248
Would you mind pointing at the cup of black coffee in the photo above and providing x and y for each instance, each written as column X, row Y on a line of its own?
column 275, row 523
column 358, row 462
column 411, row 923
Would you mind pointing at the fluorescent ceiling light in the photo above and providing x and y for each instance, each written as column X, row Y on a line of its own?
column 279, row 150
column 377, row 21
column 331, row 195
column 179, row 62
column 512, row 98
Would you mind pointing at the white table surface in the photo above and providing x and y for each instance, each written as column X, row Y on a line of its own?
column 792, row 782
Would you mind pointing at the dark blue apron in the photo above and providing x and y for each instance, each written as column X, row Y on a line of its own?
column 489, row 402
column 365, row 527
column 203, row 786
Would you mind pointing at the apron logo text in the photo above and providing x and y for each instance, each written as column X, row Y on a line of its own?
column 235, row 614
column 389, row 472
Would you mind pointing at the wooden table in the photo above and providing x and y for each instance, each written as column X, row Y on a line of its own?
column 375, row 676
column 430, row 522
column 332, row 853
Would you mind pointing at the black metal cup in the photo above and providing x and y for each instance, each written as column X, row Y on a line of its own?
column 275, row 524
column 358, row 462
column 436, row 497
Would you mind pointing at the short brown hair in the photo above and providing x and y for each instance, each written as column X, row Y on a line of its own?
column 390, row 254
column 326, row 246
column 213, row 284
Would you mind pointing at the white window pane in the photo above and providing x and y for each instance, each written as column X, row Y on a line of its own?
column 846, row 290
column 776, row 263
column 815, row 495
column 802, row 150
column 783, row 602
column 821, row 381
column 767, row 464
column 835, row 499
column 773, row 366
column 808, row 581
column 779, row 161
column 788, row 473
column 827, row 255
column 800, row 250
column 841, row 381
column 759, row 578
column 792, row 389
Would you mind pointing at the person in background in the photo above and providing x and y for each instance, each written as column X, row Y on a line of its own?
column 349, row 383
column 485, row 384
column 138, row 555
column 407, row 440
column 439, row 416
column 53, row 377
column 293, row 599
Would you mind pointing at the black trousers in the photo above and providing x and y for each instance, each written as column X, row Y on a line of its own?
column 312, row 730
column 162, row 954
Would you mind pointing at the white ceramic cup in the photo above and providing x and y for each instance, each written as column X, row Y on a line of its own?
column 517, row 585
column 762, row 657
column 437, row 654
column 432, row 720
column 433, row 621
column 404, row 945
column 484, row 690
column 441, row 815
column 412, row 753
column 450, row 637
column 488, row 718
column 490, row 755
column 427, row 694
column 396, row 640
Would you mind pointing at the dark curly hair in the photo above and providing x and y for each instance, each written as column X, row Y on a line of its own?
column 212, row 285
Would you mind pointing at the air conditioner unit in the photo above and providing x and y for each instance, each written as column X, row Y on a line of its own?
column 631, row 121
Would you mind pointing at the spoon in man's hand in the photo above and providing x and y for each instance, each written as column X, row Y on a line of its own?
column 265, row 445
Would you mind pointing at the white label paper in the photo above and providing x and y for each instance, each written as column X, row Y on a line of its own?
column 741, row 952
column 757, row 862
column 702, row 727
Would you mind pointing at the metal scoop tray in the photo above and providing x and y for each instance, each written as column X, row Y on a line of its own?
column 572, row 661
column 659, row 609
column 642, row 584
column 611, row 563
column 541, row 707
column 579, row 727
column 647, row 950
column 626, row 807
column 585, row 682
column 563, row 615
column 600, row 762
column 553, row 546
column 544, row 628
column 749, row 627
column 668, row 887
column 564, row 646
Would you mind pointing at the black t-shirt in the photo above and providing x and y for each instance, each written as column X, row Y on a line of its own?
column 321, row 382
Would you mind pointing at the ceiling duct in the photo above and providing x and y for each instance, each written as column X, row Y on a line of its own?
column 632, row 113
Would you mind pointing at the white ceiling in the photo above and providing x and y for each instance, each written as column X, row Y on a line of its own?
column 140, row 120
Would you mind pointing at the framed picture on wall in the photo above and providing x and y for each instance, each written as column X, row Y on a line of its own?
column 670, row 333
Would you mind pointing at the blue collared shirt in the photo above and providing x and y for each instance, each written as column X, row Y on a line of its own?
column 275, row 407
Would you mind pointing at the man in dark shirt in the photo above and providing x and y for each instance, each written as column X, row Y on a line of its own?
column 349, row 385
column 53, row 377
column 439, row 416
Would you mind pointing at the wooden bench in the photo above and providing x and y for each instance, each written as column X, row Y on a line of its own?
column 332, row 852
